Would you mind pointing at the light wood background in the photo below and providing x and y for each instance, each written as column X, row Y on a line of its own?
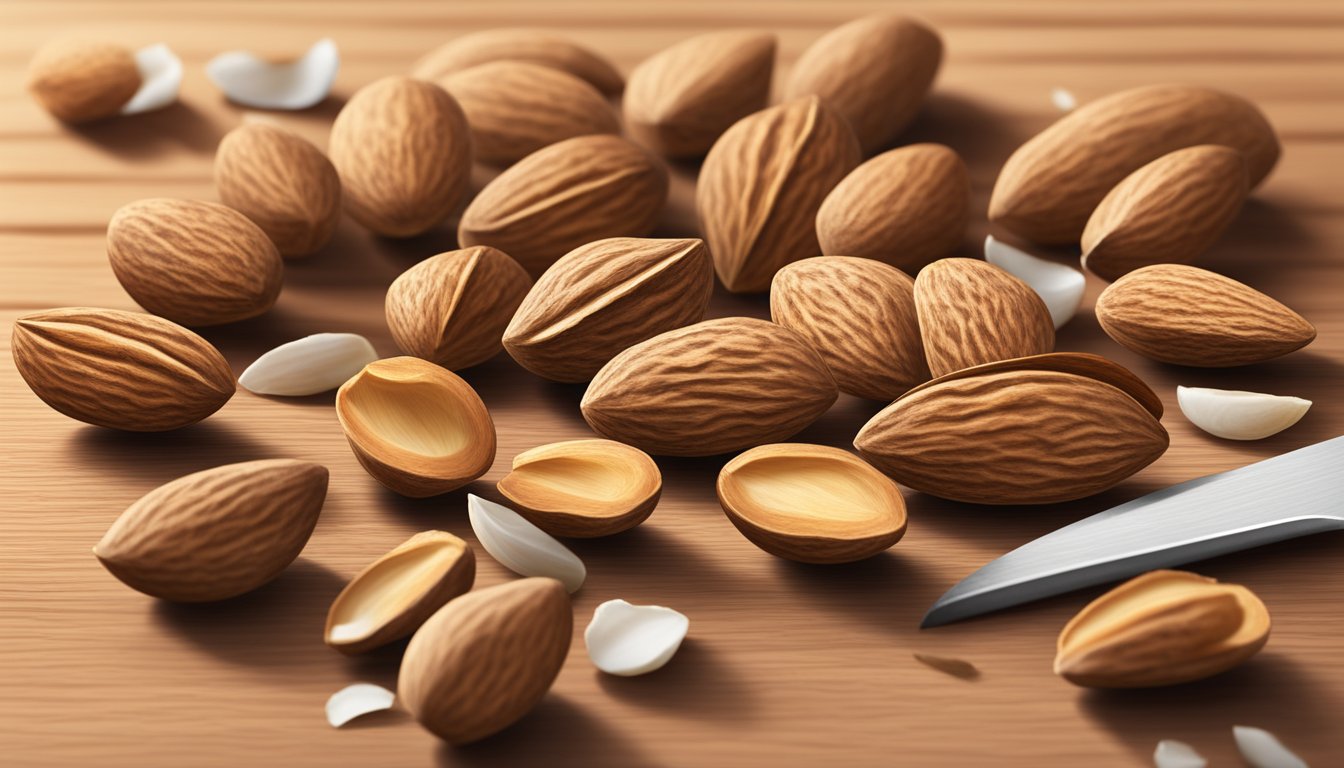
column 786, row 664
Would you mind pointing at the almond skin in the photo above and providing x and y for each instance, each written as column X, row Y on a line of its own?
column 403, row 150
column 486, row 658
column 515, row 108
column 452, row 308
column 282, row 183
column 1169, row 211
column 565, row 195
column 1185, row 315
column 972, row 313
column 216, row 534
column 530, row 45
column 193, row 262
column 873, row 71
column 713, row 387
column 681, row 99
column 860, row 316
column 120, row 370
column 761, row 185
column 906, row 207
column 603, row 297
column 79, row 81
column 1052, row 184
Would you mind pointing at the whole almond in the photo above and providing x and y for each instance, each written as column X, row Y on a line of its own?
column 681, row 99
column 193, row 262
column 873, row 71
column 515, row 108
column 79, row 81
column 281, row 182
column 403, row 149
column 1050, row 186
column 121, row 370
column 761, row 185
column 971, row 313
column 560, row 197
column 717, row 386
column 1185, row 315
column 603, row 297
column 1169, row 211
column 486, row 658
column 452, row 308
column 530, row 45
column 906, row 207
column 216, row 534
column 860, row 316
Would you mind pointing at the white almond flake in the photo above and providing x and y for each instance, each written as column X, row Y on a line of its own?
column 521, row 546
column 307, row 366
column 254, row 82
column 1063, row 100
column 627, row 640
column 1263, row 750
column 1236, row 415
column 160, row 79
column 1060, row 287
column 355, row 700
column 1171, row 753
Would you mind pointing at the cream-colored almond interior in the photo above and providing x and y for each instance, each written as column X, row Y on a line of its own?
column 581, row 479
column 1120, row 611
column 389, row 590
column 416, row 416
column 810, row 495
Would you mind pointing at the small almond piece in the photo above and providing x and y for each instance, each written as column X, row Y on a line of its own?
column 530, row 45
column 1262, row 749
column 308, row 366
column 521, row 546
column 583, row 488
column 1171, row 753
column 255, row 82
column 628, row 640
column 1238, row 415
column 1061, row 287
column 357, row 700
column 79, row 81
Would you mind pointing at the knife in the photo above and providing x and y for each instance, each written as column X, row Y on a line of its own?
column 1280, row 498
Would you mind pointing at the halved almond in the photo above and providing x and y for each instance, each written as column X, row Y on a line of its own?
column 417, row 428
column 583, row 488
column 396, row 593
column 811, row 503
column 1236, row 415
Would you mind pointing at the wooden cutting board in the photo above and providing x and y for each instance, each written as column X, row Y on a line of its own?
column 786, row 664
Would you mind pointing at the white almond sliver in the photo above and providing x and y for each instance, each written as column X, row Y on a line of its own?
column 307, row 366
column 1063, row 100
column 248, row 80
column 1171, row 753
column 626, row 640
column 160, row 79
column 355, row 700
column 1060, row 287
column 521, row 546
column 1236, row 415
column 1263, row 750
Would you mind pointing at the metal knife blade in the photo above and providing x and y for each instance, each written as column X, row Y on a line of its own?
column 1294, row 494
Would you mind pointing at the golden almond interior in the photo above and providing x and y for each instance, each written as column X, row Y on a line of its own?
column 416, row 416
column 583, row 477
column 814, row 495
column 389, row 588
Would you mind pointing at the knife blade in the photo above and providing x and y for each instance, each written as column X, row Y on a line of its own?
column 1294, row 494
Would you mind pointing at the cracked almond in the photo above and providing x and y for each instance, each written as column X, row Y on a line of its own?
column 583, row 488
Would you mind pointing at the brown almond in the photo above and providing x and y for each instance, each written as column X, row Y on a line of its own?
column 79, row 81
column 583, row 488
column 530, row 45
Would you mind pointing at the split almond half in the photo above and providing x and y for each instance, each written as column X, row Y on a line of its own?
column 417, row 428
column 583, row 488
column 811, row 503
column 1236, row 415
column 252, row 81
column 629, row 640
column 396, row 593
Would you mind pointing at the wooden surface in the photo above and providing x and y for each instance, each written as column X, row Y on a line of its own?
column 785, row 665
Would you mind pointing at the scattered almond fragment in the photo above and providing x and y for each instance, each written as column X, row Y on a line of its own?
column 1238, row 415
column 583, row 488
column 160, row 80
column 521, row 546
column 1171, row 753
column 1263, row 749
column 1063, row 99
column 317, row 363
column 254, row 82
column 949, row 666
column 357, row 700
column 628, row 640
column 1059, row 286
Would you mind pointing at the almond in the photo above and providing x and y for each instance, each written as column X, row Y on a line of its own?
column 717, row 386
column 1013, row 437
column 1050, row 186
column 282, row 183
column 515, row 108
column 873, row 71
column 485, row 659
column 906, row 207
column 1185, row 315
column 452, row 308
column 603, row 297
column 860, row 317
column 528, row 45
column 560, row 197
column 403, row 149
column 120, row 370
column 971, row 313
column 761, row 185
column 216, row 534
column 193, row 262
column 1169, row 211
column 79, row 81
column 583, row 488
column 681, row 99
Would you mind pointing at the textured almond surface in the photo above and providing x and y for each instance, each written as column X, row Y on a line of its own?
column 1189, row 316
column 761, row 185
column 193, row 262
column 80, row 80
column 1169, row 211
column 603, row 297
column 1018, row 437
column 531, row 45
column 717, row 386
column 121, row 370
column 860, row 316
